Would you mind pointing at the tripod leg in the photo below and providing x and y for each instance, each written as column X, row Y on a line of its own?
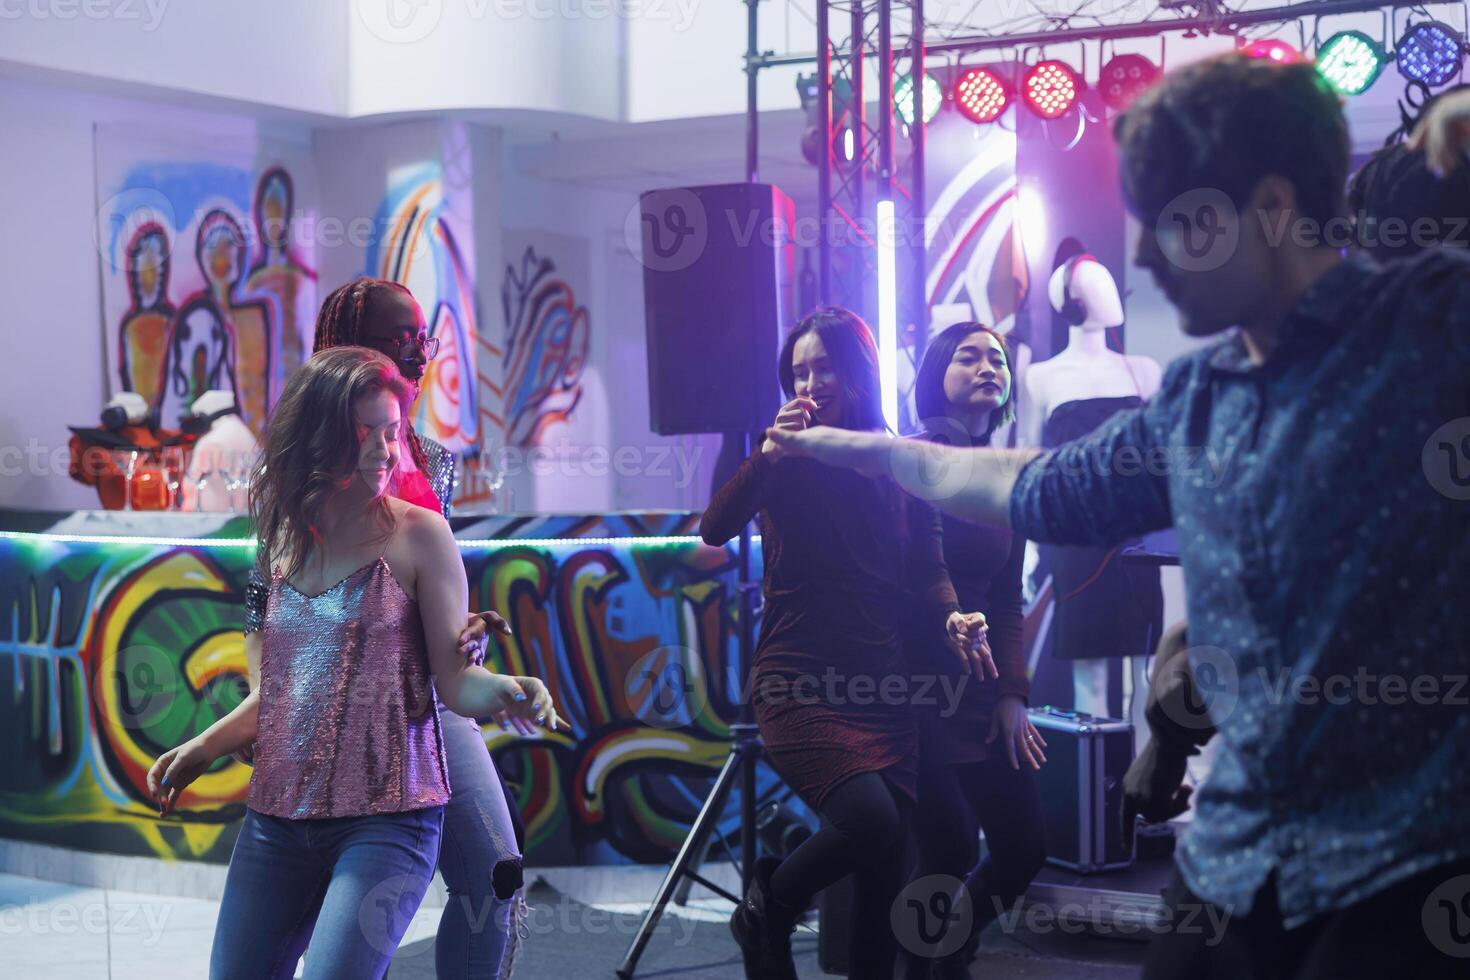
column 681, row 893
column 694, row 845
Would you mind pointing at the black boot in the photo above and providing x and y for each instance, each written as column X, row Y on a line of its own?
column 762, row 928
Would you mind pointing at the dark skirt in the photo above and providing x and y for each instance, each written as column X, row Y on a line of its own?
column 830, row 692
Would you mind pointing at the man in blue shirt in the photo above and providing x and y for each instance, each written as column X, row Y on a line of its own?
column 1315, row 464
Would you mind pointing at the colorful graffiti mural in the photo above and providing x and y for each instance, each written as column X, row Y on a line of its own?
column 111, row 652
column 234, row 318
column 974, row 252
column 419, row 248
column 546, row 337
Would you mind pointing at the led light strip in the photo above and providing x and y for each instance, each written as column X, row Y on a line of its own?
column 887, row 314
column 479, row 544
column 646, row 541
column 49, row 537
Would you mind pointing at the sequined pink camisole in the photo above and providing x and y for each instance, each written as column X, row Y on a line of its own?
column 347, row 723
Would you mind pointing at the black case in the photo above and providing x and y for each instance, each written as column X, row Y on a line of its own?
column 1082, row 788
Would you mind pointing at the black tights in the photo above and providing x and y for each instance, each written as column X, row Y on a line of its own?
column 956, row 800
column 863, row 835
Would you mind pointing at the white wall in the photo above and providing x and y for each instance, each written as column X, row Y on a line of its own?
column 689, row 59
column 494, row 54
column 284, row 53
column 51, row 324
column 617, row 374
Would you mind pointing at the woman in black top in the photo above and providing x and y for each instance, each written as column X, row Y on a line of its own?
column 978, row 756
column 840, row 551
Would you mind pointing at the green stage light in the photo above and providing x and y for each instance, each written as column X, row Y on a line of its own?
column 1350, row 62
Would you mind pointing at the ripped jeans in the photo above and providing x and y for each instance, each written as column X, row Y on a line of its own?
column 478, row 859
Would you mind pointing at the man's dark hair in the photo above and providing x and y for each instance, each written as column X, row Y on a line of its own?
column 1227, row 122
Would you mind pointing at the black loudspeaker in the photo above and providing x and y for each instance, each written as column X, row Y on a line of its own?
column 718, row 264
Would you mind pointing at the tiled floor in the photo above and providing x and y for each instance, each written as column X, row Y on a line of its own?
column 64, row 932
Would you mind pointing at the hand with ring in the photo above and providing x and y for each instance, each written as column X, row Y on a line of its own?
column 1021, row 739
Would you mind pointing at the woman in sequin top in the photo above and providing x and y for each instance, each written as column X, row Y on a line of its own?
column 367, row 591
column 481, row 858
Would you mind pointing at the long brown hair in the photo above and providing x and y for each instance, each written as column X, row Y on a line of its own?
column 342, row 321
column 854, row 356
column 311, row 450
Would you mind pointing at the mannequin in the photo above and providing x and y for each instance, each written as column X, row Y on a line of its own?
column 223, row 454
column 1086, row 368
column 1105, row 609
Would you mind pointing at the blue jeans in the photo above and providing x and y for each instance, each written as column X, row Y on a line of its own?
column 479, row 860
column 342, row 890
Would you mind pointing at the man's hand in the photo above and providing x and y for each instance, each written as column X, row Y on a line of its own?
column 1153, row 788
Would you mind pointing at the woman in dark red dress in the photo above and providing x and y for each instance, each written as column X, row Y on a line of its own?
column 829, row 683
column 978, row 756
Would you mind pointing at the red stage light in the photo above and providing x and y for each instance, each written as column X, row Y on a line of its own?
column 1124, row 78
column 1051, row 89
column 1274, row 50
column 981, row 95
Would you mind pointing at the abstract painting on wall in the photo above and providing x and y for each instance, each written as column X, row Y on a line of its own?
column 208, row 271
column 423, row 244
column 548, row 408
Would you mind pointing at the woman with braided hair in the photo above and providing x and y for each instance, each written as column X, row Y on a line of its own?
column 480, row 858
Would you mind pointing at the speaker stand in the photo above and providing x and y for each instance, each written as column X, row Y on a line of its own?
column 745, row 754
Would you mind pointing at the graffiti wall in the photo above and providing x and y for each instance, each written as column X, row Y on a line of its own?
column 111, row 652
column 207, row 270
column 546, row 332
column 423, row 243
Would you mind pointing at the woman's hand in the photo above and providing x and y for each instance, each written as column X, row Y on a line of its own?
column 175, row 770
column 1013, row 726
column 474, row 638
column 793, row 417
column 524, row 703
column 542, row 708
column 1444, row 133
column 866, row 452
column 967, row 639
